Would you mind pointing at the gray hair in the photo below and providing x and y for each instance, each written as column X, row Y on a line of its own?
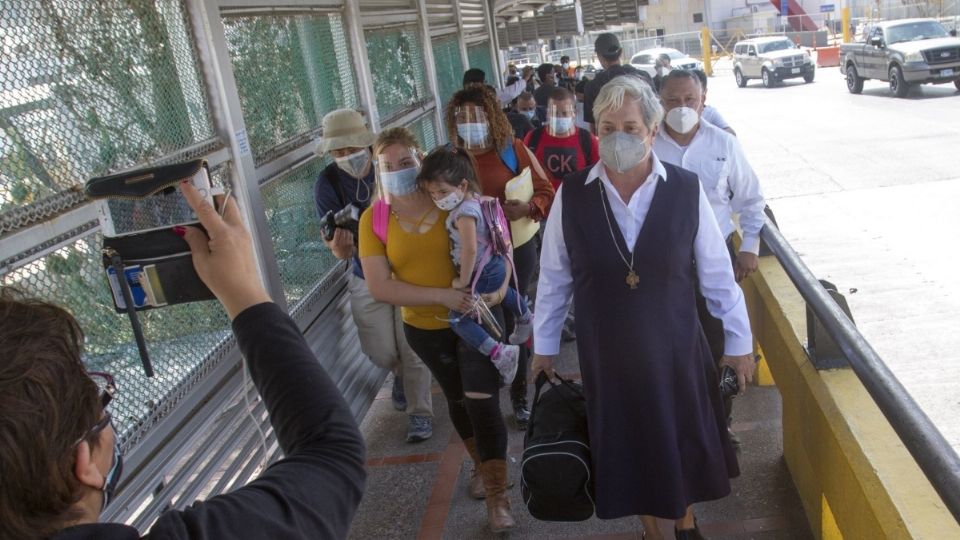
column 614, row 94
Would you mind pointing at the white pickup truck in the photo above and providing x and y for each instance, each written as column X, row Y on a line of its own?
column 905, row 53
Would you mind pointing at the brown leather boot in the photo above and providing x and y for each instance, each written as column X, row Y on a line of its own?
column 494, row 473
column 475, row 489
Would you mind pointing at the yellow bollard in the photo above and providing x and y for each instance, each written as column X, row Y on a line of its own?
column 845, row 21
column 707, row 51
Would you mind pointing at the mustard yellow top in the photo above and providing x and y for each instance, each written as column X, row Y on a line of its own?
column 421, row 259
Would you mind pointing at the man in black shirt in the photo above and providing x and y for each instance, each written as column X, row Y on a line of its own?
column 608, row 51
column 548, row 81
column 527, row 106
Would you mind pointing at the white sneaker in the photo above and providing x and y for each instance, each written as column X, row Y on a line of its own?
column 506, row 358
column 522, row 331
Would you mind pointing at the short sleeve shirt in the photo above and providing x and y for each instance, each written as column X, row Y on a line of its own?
column 421, row 259
column 561, row 156
column 469, row 208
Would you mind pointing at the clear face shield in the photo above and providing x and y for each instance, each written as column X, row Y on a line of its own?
column 472, row 127
column 397, row 169
column 561, row 118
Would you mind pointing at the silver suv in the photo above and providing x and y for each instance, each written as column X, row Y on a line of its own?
column 770, row 59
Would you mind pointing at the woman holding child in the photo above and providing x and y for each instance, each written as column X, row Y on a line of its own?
column 406, row 257
column 477, row 124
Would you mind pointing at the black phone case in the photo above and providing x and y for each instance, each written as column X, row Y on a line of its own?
column 178, row 280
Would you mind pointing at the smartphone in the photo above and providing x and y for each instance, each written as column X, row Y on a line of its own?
column 162, row 209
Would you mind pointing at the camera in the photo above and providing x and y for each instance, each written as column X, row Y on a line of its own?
column 347, row 218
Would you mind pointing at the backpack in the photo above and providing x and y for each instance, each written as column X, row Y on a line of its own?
column 586, row 145
column 381, row 218
column 498, row 224
column 556, row 477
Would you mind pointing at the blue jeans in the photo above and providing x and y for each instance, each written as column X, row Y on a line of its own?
column 490, row 280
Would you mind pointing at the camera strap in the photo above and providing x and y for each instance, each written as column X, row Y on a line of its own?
column 332, row 172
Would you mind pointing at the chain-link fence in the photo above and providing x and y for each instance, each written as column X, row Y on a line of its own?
column 479, row 57
column 396, row 64
column 449, row 66
column 89, row 88
column 302, row 256
column 179, row 337
column 425, row 130
column 290, row 71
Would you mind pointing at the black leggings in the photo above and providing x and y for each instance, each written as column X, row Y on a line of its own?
column 458, row 368
column 524, row 262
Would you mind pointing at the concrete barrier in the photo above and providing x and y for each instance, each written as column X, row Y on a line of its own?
column 854, row 476
column 828, row 57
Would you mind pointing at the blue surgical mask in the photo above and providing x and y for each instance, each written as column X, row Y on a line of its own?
column 474, row 134
column 402, row 182
column 561, row 125
column 530, row 114
column 113, row 476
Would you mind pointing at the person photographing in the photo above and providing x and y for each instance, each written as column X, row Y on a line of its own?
column 61, row 458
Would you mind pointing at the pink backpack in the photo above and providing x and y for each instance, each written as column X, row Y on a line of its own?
column 381, row 219
column 500, row 240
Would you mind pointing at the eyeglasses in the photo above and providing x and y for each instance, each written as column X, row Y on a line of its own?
column 107, row 388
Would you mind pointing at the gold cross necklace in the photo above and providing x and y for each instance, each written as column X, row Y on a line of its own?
column 632, row 278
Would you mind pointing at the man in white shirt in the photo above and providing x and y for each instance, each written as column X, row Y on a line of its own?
column 717, row 159
column 505, row 95
column 730, row 184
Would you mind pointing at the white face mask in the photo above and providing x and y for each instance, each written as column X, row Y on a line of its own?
column 450, row 201
column 621, row 151
column 564, row 66
column 530, row 114
column 682, row 119
column 354, row 164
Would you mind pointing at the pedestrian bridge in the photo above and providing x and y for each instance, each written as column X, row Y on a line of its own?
column 834, row 448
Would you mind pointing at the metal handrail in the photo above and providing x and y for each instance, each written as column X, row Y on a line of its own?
column 926, row 444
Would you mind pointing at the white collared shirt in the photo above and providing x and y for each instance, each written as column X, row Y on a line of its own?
column 509, row 93
column 712, row 115
column 732, row 187
column 555, row 287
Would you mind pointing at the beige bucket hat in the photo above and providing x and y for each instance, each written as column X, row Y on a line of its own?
column 344, row 128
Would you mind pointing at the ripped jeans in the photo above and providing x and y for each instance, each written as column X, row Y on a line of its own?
column 460, row 369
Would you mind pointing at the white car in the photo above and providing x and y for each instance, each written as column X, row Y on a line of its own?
column 772, row 60
column 646, row 60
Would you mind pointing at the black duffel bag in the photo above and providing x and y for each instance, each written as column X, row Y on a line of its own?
column 556, row 479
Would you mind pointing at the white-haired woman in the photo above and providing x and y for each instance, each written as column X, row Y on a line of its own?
column 630, row 239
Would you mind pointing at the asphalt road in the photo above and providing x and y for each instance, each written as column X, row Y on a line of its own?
column 867, row 189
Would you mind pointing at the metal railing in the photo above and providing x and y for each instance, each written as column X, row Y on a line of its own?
column 923, row 440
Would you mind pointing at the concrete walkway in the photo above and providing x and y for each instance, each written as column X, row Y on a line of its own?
column 419, row 490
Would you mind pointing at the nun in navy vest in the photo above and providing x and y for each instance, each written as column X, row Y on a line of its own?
column 630, row 240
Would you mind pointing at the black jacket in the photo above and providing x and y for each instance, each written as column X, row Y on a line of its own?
column 593, row 87
column 314, row 491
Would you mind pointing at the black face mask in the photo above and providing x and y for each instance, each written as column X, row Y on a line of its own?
column 113, row 476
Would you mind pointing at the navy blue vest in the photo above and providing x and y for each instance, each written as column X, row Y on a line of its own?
column 657, row 426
